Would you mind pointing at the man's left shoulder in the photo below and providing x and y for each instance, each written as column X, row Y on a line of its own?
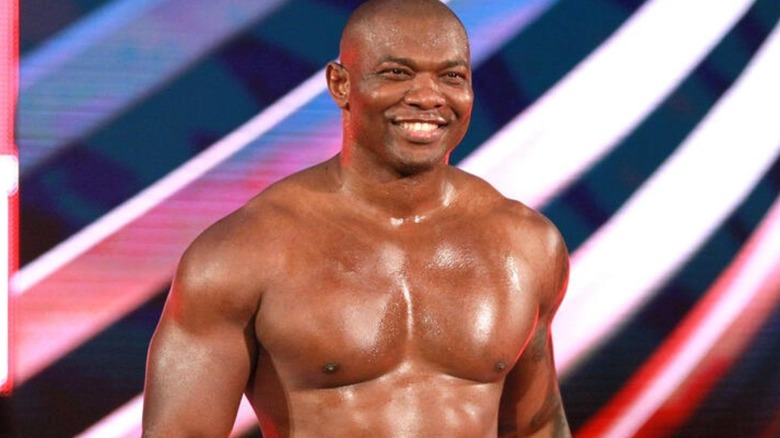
column 500, row 212
column 542, row 247
column 528, row 220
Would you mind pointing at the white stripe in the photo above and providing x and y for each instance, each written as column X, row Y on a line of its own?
column 9, row 168
column 762, row 264
column 603, row 99
column 675, row 211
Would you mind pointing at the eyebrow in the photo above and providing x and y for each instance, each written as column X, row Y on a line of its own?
column 406, row 61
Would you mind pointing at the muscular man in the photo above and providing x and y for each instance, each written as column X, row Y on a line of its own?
column 381, row 293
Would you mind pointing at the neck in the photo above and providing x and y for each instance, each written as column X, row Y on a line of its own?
column 396, row 197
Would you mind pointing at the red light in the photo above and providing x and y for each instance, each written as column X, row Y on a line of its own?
column 9, row 168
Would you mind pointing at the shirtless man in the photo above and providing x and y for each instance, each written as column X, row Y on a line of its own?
column 381, row 293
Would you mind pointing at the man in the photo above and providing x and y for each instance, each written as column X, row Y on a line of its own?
column 381, row 293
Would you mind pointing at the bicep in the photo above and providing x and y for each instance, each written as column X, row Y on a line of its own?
column 531, row 402
column 200, row 360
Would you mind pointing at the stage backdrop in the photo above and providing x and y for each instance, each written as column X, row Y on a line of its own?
column 648, row 131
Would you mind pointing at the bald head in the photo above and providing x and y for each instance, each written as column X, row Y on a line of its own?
column 383, row 16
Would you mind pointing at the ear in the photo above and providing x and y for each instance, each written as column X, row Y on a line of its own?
column 338, row 83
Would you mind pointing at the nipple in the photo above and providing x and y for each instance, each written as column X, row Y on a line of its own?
column 330, row 368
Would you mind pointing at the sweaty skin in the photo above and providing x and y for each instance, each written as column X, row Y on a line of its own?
column 381, row 293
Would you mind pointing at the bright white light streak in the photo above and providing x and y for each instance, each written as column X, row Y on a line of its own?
column 9, row 178
column 756, row 271
column 675, row 211
column 29, row 275
column 583, row 116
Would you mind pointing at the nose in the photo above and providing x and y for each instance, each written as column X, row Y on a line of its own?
column 424, row 93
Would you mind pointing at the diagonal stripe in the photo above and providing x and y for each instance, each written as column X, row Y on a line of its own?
column 616, row 270
column 602, row 99
column 114, row 58
column 670, row 385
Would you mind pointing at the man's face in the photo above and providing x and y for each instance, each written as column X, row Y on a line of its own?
column 410, row 94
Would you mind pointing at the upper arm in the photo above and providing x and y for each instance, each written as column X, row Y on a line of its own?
column 202, row 352
column 531, row 402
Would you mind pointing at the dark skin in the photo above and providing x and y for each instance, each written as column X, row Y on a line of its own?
column 382, row 293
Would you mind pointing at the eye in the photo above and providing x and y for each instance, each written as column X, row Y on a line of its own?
column 454, row 77
column 396, row 73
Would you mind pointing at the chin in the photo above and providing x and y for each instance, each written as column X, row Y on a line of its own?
column 413, row 167
column 412, row 159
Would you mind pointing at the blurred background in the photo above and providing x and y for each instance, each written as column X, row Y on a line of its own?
column 648, row 131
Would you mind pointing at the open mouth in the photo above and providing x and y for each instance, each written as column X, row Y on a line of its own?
column 419, row 127
column 420, row 132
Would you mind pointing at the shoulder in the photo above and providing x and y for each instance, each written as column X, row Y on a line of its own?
column 542, row 247
column 520, row 219
column 534, row 229
column 531, row 237
column 232, row 261
column 263, row 219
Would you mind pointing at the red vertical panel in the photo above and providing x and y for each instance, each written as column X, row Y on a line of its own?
column 9, row 168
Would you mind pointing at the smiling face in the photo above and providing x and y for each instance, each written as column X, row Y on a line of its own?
column 405, row 87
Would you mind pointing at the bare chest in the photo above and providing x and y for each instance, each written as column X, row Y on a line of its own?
column 348, row 309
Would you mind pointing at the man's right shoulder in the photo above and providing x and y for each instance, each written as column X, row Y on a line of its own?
column 255, row 225
column 245, row 244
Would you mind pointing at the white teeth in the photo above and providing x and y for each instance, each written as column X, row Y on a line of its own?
column 418, row 126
